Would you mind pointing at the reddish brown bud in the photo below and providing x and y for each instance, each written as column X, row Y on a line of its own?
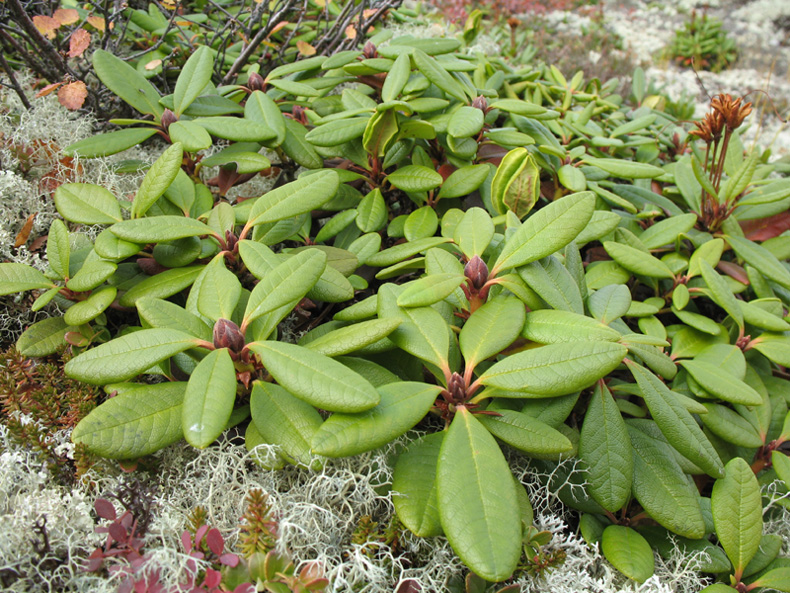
column 456, row 387
column 369, row 51
column 228, row 335
column 480, row 103
column 168, row 118
column 477, row 272
column 255, row 82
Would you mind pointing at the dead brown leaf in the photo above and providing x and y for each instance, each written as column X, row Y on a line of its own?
column 73, row 95
column 23, row 235
column 79, row 42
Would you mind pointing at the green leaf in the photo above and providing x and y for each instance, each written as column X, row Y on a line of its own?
column 158, row 178
column 16, row 277
column 491, row 329
column 526, row 433
column 401, row 252
column 637, row 261
column 556, row 369
column 91, row 275
column 159, row 228
column 547, row 230
column 628, row 552
column 297, row 148
column 127, row 83
column 420, row 224
column 191, row 136
column 236, row 128
column 668, row 230
column 429, row 289
column 730, row 426
column 337, row 132
column 605, row 448
column 126, row 357
column 195, row 75
column 297, row 197
column 209, row 399
column 779, row 460
column 677, row 425
column 737, row 508
column 778, row 578
column 722, row 385
column 549, row 326
column 289, row 281
column 109, row 246
column 315, row 378
column 516, row 183
column 262, row 108
column 414, row 178
column 354, row 337
column 135, row 423
column 762, row 259
column 372, row 212
column 609, row 303
column 402, row 405
column 86, row 203
column 161, row 285
column 775, row 347
column 474, row 232
column 518, row 107
column 43, row 337
column 477, row 499
column 465, row 122
column 662, row 488
column 298, row 66
column 720, row 292
column 625, row 169
column 109, row 143
column 464, row 181
column 284, row 420
column 158, row 313
column 434, row 72
column 219, row 293
column 414, row 486
column 90, row 308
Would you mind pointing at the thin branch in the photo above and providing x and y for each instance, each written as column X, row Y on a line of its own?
column 14, row 83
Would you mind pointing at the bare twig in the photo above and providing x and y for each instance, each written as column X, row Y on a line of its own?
column 14, row 83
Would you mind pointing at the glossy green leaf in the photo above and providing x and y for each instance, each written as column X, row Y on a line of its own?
column 396, row 78
column 779, row 460
column 778, row 578
column 109, row 143
column 159, row 228
column 775, row 347
column 288, row 282
column 414, row 178
column 90, row 308
column 429, row 290
column 677, row 425
column 284, row 420
column 402, row 405
column 137, row 422
column 372, row 212
column 549, row 326
column 86, row 203
column 337, row 132
column 195, row 75
column 720, row 292
column 547, row 230
column 730, row 426
column 16, row 277
column 58, row 248
column 158, row 313
column 736, row 505
column 219, row 293
column 667, row 230
column 710, row 251
column 625, row 169
column 556, row 369
column 209, row 399
column 526, row 433
column 491, row 329
column 637, row 261
column 516, row 183
column 161, row 285
column 315, row 378
column 127, row 356
column 762, row 259
column 414, row 486
column 434, row 72
column 477, row 500
column 609, row 303
column 398, row 253
column 297, row 148
column 127, row 83
column 605, row 448
column 158, row 178
column 292, row 199
column 110, row 246
column 43, row 337
column 260, row 107
column 662, row 488
column 191, row 136
column 722, row 385
column 91, row 275
column 465, row 122
column 354, row 337
column 464, row 181
column 474, row 232
column 628, row 552
column 236, row 128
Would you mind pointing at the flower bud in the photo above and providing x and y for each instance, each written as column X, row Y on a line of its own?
column 168, row 118
column 369, row 50
column 255, row 82
column 480, row 103
column 228, row 335
column 456, row 387
column 477, row 272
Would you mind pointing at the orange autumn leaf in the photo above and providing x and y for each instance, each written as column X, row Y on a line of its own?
column 22, row 236
column 79, row 42
column 46, row 25
column 96, row 22
column 66, row 16
column 72, row 95
column 278, row 27
column 48, row 89
column 305, row 48
column 351, row 32
column 153, row 64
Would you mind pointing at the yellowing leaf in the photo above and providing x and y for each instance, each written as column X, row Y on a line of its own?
column 153, row 64
column 72, row 95
column 46, row 25
column 97, row 23
column 305, row 48
column 351, row 32
column 79, row 42
column 66, row 16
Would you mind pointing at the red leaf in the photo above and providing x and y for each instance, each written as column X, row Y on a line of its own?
column 761, row 229
column 213, row 578
column 79, row 42
column 105, row 509
column 118, row 533
column 230, row 559
column 245, row 588
column 23, row 235
column 734, row 271
column 445, row 170
column 215, row 542
column 186, row 541
column 201, row 531
column 95, row 561
column 72, row 95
